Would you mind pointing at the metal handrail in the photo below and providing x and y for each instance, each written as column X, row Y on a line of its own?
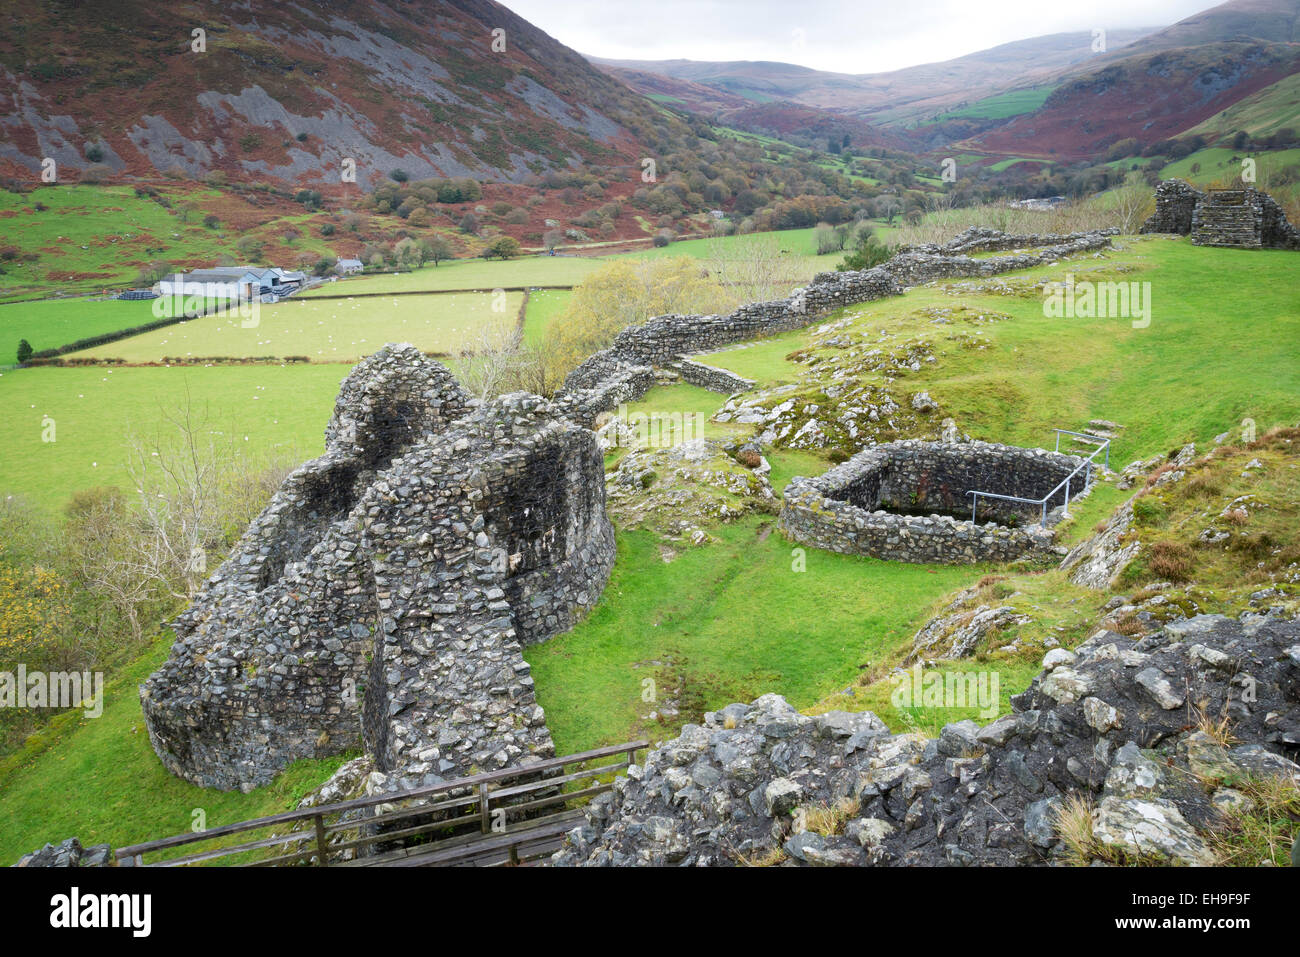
column 1085, row 464
column 1105, row 442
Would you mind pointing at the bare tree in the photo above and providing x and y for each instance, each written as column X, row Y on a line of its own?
column 752, row 267
column 488, row 356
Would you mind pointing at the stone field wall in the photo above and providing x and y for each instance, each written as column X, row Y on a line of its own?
column 712, row 378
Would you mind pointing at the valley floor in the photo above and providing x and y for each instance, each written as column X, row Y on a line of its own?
column 684, row 628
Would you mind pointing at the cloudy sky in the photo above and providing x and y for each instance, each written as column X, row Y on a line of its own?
column 847, row 36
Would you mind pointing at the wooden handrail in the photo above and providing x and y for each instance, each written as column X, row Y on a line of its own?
column 478, row 782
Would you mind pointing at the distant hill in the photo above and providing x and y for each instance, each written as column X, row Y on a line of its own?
column 288, row 91
column 1276, row 21
column 1145, row 98
column 1049, row 97
column 893, row 97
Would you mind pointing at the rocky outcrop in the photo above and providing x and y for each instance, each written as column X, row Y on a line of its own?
column 69, row 853
column 962, row 627
column 1112, row 722
column 1098, row 561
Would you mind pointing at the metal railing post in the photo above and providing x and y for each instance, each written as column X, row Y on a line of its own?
column 1065, row 509
column 484, row 819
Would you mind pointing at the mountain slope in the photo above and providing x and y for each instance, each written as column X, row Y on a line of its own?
column 1144, row 97
column 290, row 92
column 1277, row 21
column 895, row 96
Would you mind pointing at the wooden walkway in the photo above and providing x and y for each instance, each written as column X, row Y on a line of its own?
column 510, row 817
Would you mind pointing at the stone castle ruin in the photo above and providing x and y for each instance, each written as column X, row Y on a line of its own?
column 383, row 597
column 1244, row 218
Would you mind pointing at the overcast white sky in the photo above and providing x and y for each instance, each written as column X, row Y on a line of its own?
column 846, row 36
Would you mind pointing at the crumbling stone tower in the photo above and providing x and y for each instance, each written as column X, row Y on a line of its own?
column 384, row 595
column 1244, row 218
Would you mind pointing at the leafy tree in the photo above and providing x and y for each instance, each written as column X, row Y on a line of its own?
column 621, row 294
column 437, row 249
column 24, row 351
column 870, row 252
column 503, row 247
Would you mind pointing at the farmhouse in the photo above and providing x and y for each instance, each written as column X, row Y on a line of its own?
column 232, row 282
column 346, row 267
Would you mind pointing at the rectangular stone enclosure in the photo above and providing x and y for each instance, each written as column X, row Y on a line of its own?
column 910, row 501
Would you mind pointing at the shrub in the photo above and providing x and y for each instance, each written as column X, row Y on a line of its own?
column 870, row 252
column 398, row 175
column 1171, row 560
column 24, row 351
column 1148, row 511
column 503, row 247
column 211, row 221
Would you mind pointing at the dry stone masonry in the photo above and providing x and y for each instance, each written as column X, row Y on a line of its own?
column 1108, row 720
column 1244, row 218
column 616, row 374
column 906, row 501
column 384, row 595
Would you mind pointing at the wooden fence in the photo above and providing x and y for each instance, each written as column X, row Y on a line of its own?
column 510, row 816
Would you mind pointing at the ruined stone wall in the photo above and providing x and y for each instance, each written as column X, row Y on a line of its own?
column 712, row 378
column 1244, row 218
column 398, row 575
column 982, row 239
column 1175, row 203
column 665, row 339
column 857, row 507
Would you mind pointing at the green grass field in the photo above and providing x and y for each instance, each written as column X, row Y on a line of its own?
column 1220, row 163
column 1169, row 383
column 1001, row 106
column 51, row 323
column 692, row 626
column 96, row 409
column 544, row 305
column 325, row 330
column 469, row 274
